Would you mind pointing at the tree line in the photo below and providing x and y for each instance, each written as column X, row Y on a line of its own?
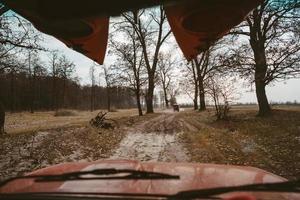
column 30, row 84
column 262, row 50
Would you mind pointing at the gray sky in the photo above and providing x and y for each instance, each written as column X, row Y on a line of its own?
column 278, row 92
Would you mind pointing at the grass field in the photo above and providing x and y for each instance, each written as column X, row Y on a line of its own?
column 271, row 143
column 42, row 139
column 39, row 121
column 39, row 140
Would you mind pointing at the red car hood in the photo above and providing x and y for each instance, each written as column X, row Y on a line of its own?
column 192, row 176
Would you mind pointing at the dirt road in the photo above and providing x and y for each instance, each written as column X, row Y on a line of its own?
column 148, row 138
column 267, row 143
column 154, row 140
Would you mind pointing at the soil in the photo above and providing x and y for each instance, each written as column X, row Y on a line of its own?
column 148, row 138
column 271, row 144
column 154, row 140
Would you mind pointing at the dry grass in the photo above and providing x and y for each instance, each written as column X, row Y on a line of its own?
column 40, row 121
column 64, row 113
column 271, row 143
column 21, row 153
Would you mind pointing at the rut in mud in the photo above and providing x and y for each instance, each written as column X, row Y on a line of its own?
column 155, row 140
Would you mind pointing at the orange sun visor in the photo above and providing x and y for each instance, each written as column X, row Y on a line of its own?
column 86, row 35
column 83, row 26
column 94, row 43
column 197, row 24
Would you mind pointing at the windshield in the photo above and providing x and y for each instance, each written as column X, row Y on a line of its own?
column 169, row 97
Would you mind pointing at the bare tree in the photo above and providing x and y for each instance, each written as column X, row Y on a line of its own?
column 273, row 51
column 173, row 91
column 150, row 28
column 165, row 73
column 33, row 60
column 54, row 62
column 66, row 70
column 189, row 83
column 109, row 79
column 206, row 65
column 130, row 62
column 12, row 67
column 17, row 33
column 222, row 92
column 93, row 80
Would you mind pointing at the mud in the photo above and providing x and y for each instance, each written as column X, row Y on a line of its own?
column 155, row 140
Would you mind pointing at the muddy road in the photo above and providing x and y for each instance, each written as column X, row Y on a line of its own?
column 271, row 144
column 152, row 137
column 154, row 140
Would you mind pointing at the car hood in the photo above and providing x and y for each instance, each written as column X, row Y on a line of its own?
column 192, row 176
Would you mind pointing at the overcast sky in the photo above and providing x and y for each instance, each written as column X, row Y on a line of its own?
column 278, row 92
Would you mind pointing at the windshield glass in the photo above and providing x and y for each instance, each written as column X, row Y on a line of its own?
column 150, row 97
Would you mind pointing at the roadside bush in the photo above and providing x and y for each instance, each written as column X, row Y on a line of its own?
column 222, row 111
column 222, row 92
column 101, row 122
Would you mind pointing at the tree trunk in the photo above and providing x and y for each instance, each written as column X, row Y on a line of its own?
column 92, row 98
column 196, row 107
column 138, row 102
column 149, row 97
column 31, row 95
column 53, row 99
column 263, row 104
column 30, row 84
column 260, row 74
column 108, row 98
column 202, row 95
column 2, row 118
column 166, row 97
column 12, row 91
column 64, row 93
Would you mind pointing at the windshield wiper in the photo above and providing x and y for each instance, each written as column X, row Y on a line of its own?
column 98, row 174
column 287, row 186
column 115, row 174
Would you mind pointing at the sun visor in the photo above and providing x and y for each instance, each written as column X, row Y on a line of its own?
column 94, row 43
column 197, row 24
column 88, row 36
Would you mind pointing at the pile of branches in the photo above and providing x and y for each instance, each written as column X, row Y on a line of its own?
column 101, row 122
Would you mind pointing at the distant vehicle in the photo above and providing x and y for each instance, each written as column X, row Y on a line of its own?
column 175, row 107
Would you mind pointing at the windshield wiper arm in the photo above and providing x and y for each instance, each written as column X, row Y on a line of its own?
column 99, row 174
column 287, row 186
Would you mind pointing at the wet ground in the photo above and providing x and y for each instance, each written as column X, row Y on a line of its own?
column 154, row 140
column 148, row 138
column 271, row 144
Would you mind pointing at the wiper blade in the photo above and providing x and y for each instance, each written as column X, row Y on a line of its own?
column 99, row 174
column 287, row 186
column 85, row 196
